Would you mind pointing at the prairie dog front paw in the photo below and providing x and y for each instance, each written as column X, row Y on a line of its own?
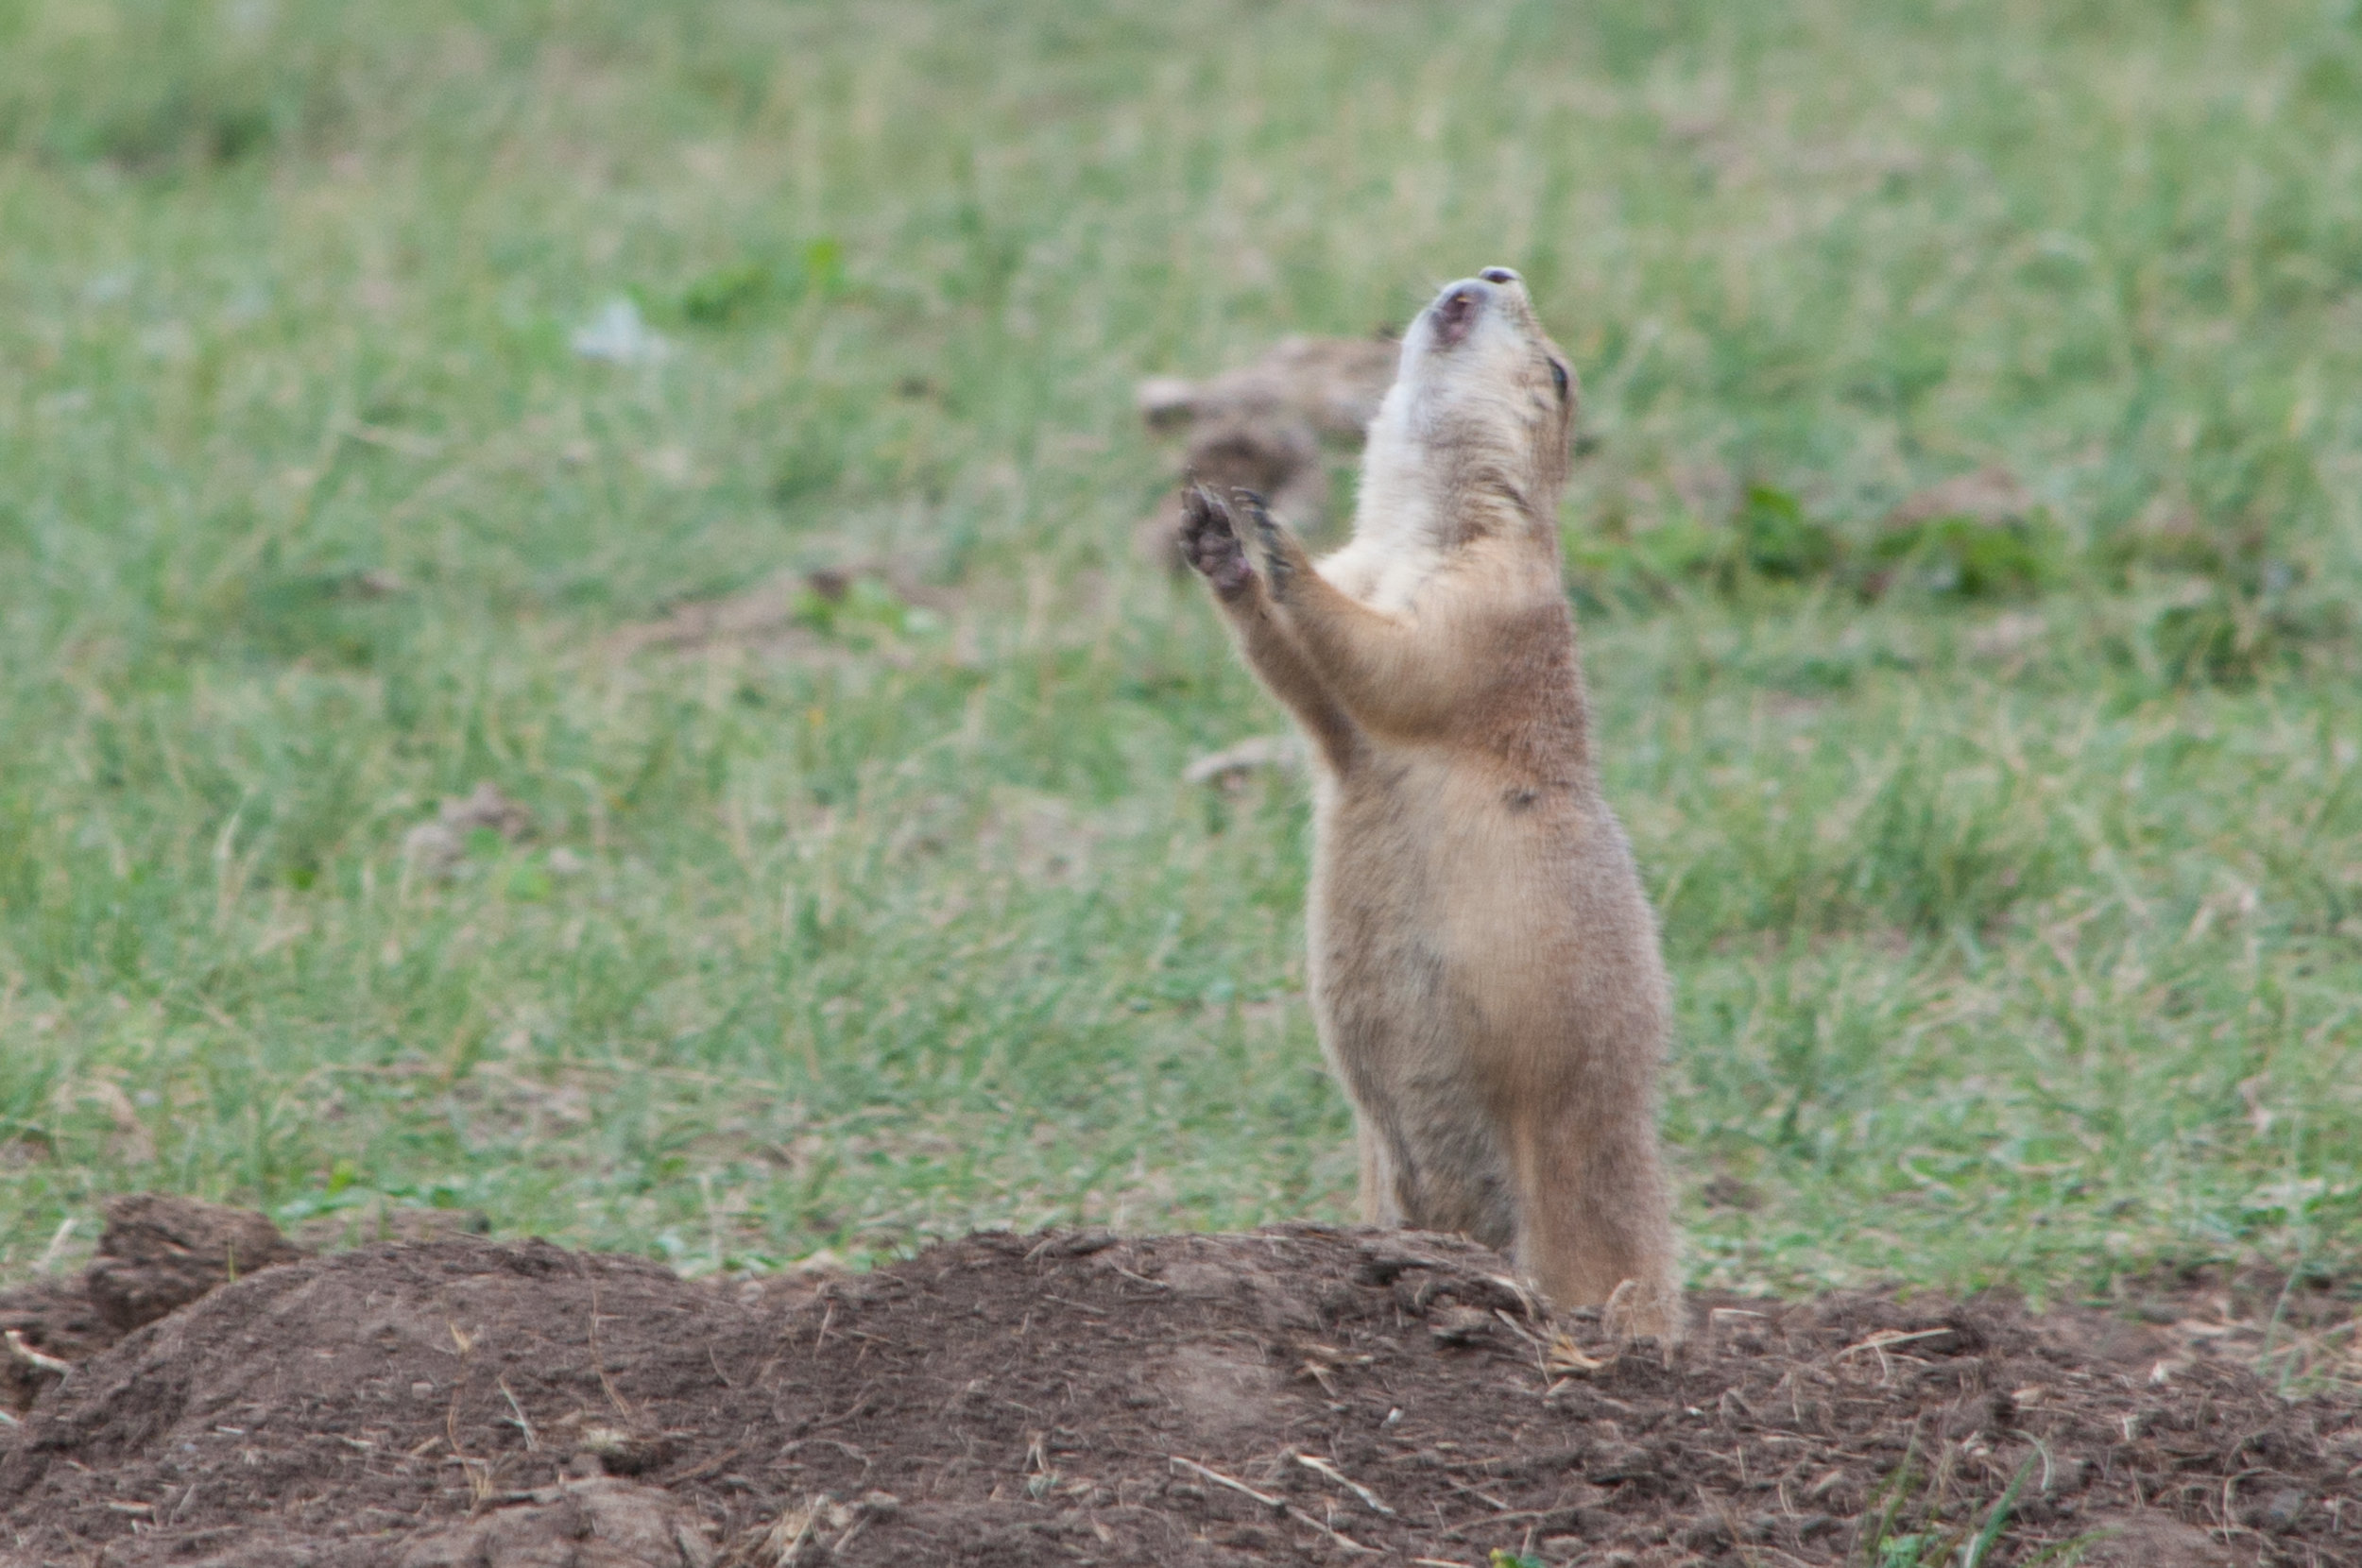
column 1209, row 542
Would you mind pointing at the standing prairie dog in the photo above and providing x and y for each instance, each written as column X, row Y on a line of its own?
column 1485, row 965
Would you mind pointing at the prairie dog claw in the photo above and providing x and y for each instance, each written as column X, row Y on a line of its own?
column 1271, row 542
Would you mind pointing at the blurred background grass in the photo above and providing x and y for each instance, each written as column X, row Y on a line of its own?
column 2010, row 854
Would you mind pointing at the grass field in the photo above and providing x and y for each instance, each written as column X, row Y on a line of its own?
column 2011, row 874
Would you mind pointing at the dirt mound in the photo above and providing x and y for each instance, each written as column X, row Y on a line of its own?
column 1302, row 1394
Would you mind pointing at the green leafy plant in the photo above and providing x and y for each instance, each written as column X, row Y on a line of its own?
column 858, row 608
column 1773, row 538
column 725, row 293
column 1967, row 558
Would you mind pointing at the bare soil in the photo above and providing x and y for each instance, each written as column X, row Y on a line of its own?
column 1296, row 1395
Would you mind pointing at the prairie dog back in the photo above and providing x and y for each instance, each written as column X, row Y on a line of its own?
column 1484, row 966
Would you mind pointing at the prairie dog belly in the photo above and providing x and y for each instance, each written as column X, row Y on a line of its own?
column 1441, row 919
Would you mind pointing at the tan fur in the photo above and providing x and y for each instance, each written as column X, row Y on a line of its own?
column 1485, row 965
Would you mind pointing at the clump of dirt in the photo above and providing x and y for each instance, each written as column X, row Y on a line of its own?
column 1302, row 1394
column 159, row 1254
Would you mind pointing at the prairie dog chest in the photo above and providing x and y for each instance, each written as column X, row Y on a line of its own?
column 1385, row 575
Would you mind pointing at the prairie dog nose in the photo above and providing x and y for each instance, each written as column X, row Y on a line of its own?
column 1499, row 275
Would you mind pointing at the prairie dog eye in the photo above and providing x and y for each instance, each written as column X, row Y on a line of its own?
column 1558, row 378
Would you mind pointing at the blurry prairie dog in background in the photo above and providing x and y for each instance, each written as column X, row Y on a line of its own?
column 1484, row 966
column 1266, row 427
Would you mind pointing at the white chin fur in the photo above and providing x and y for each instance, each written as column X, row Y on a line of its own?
column 1427, row 366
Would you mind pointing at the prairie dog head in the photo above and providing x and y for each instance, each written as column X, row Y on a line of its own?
column 1478, row 418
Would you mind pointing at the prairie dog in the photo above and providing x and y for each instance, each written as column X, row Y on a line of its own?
column 1484, row 966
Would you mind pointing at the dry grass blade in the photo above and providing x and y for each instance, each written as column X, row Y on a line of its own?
column 1220, row 1479
column 1347, row 1541
column 1527, row 1301
column 1562, row 1356
column 523, row 1422
column 32, row 1357
column 478, row 1472
column 1889, row 1339
column 1321, row 1467
column 778, row 1543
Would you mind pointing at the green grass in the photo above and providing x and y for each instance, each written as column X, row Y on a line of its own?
column 2012, row 884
